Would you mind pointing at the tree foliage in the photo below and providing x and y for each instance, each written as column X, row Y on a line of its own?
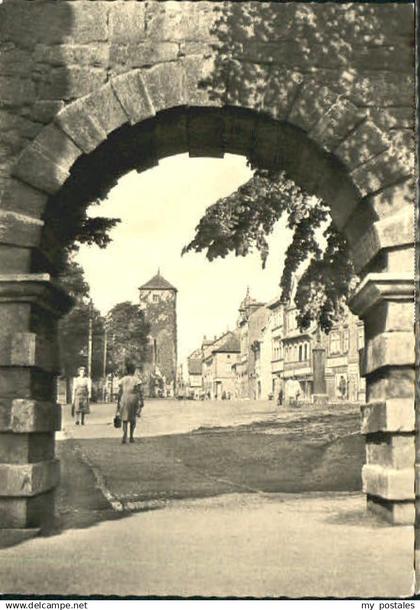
column 243, row 220
column 127, row 332
column 73, row 329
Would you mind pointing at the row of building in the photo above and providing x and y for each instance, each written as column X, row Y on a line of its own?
column 268, row 357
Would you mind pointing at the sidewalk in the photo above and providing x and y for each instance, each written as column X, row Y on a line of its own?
column 196, row 529
column 235, row 545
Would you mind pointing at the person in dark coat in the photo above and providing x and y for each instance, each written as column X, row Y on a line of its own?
column 130, row 401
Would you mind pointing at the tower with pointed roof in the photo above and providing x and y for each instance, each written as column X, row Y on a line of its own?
column 157, row 298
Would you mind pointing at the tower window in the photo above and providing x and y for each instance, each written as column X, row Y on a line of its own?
column 155, row 298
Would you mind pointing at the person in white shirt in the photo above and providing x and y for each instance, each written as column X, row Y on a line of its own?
column 82, row 392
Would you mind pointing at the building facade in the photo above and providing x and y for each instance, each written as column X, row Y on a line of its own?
column 268, row 357
column 343, row 346
column 219, row 359
column 253, row 317
column 276, row 326
column 157, row 298
column 194, row 384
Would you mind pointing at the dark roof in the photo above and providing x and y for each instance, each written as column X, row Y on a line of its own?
column 230, row 344
column 194, row 366
column 158, row 282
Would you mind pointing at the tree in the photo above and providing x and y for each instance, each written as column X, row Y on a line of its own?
column 128, row 335
column 73, row 328
column 243, row 220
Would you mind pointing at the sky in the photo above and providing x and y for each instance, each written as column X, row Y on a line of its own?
column 159, row 210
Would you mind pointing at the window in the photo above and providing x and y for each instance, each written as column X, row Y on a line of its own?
column 335, row 342
column 291, row 320
column 155, row 298
column 306, row 352
column 300, row 353
column 360, row 337
column 346, row 340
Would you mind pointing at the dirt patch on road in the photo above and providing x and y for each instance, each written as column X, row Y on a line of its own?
column 212, row 463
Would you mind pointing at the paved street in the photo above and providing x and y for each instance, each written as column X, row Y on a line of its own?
column 201, row 509
column 194, row 449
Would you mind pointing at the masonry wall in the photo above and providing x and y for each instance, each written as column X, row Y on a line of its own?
column 324, row 91
column 53, row 53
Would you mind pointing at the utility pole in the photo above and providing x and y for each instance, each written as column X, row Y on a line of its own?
column 89, row 363
column 104, row 361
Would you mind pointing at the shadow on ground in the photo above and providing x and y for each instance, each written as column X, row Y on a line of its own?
column 202, row 464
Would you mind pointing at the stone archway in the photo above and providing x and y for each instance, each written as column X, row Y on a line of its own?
column 326, row 143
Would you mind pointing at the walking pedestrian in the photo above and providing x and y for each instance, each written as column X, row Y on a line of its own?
column 82, row 392
column 130, row 401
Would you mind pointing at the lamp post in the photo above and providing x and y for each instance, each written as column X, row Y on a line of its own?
column 90, row 325
column 320, row 395
column 104, row 359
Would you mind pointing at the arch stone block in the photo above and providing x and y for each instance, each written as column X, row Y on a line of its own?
column 133, row 96
column 80, row 126
column 104, row 106
column 366, row 141
column 282, row 88
column 165, row 85
column 36, row 169
column 336, row 124
column 311, row 104
column 383, row 170
column 318, row 135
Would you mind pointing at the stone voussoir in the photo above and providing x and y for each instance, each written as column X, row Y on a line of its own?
column 311, row 104
column 78, row 123
column 132, row 93
column 380, row 172
column 165, row 84
column 46, row 162
column 365, row 142
column 58, row 146
column 197, row 70
column 35, row 168
column 26, row 480
column 339, row 120
column 104, row 106
column 282, row 88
